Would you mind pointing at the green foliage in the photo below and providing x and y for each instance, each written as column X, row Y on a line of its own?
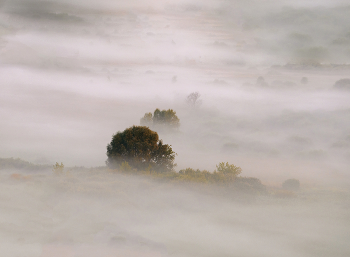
column 141, row 148
column 227, row 172
column 58, row 168
column 227, row 175
column 165, row 119
column 125, row 167
column 192, row 175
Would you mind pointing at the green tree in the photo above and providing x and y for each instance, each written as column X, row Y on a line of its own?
column 165, row 119
column 227, row 172
column 141, row 148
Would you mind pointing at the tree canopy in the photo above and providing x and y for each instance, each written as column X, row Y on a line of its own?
column 193, row 100
column 141, row 148
column 165, row 119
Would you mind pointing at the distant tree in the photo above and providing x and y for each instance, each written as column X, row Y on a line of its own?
column 226, row 168
column 147, row 120
column 139, row 147
column 304, row 80
column 165, row 119
column 193, row 100
column 225, row 173
column 343, row 84
column 261, row 82
column 291, row 184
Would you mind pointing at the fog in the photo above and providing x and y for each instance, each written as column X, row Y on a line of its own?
column 75, row 72
column 96, row 213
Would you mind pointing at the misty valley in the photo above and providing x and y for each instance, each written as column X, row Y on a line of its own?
column 174, row 128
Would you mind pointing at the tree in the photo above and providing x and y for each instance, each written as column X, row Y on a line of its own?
column 227, row 172
column 193, row 100
column 141, row 148
column 291, row 184
column 165, row 119
column 343, row 84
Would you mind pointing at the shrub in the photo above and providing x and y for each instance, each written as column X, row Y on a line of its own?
column 343, row 84
column 58, row 168
column 249, row 184
column 304, row 80
column 141, row 148
column 291, row 184
column 190, row 174
column 261, row 82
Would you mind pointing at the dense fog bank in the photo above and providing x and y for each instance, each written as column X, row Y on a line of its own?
column 94, row 212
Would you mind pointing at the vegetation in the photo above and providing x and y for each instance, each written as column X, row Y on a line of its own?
column 193, row 100
column 343, row 84
column 58, row 168
column 165, row 119
column 304, row 80
column 11, row 163
column 291, row 184
column 140, row 148
column 230, row 172
column 225, row 176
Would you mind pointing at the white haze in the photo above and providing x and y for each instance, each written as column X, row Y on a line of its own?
column 75, row 72
column 96, row 213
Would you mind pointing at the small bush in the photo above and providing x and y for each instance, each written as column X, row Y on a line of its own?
column 58, row 168
column 304, row 80
column 261, row 82
column 343, row 84
column 193, row 100
column 250, row 185
column 291, row 184
column 140, row 148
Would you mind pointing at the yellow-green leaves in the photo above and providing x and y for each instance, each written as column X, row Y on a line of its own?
column 58, row 168
column 163, row 120
column 226, row 168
